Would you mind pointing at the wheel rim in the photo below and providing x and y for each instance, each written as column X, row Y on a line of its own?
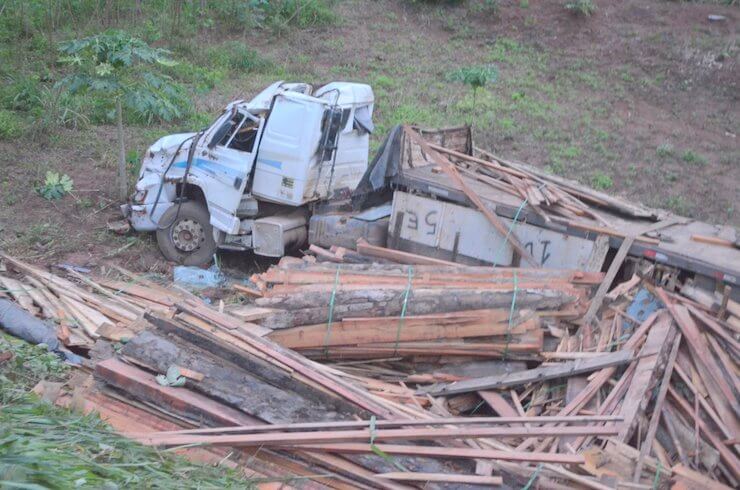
column 187, row 235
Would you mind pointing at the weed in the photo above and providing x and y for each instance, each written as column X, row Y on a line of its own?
column 555, row 166
column 237, row 56
column 486, row 6
column 20, row 93
column 602, row 181
column 503, row 48
column 664, row 150
column 581, row 7
column 55, row 186
column 693, row 158
column 11, row 125
column 56, row 109
column 678, row 204
column 384, row 82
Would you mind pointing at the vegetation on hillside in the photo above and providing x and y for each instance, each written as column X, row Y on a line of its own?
column 44, row 446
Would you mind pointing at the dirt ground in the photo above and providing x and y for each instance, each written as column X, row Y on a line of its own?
column 640, row 99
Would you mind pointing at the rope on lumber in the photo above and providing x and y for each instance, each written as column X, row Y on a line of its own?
column 331, row 312
column 511, row 227
column 656, row 481
column 533, row 478
column 403, row 310
column 511, row 315
column 376, row 450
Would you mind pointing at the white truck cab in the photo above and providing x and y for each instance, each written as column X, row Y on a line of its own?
column 248, row 181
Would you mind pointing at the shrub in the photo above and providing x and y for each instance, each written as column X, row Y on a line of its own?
column 237, row 56
column 56, row 108
column 581, row 7
column 20, row 93
column 11, row 125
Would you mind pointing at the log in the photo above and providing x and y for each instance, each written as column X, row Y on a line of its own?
column 355, row 331
column 390, row 303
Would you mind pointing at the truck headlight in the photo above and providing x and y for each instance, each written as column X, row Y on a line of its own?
column 139, row 196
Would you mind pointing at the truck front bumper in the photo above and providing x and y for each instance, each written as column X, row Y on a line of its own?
column 140, row 215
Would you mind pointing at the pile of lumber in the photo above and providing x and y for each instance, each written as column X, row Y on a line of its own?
column 110, row 306
column 353, row 375
column 358, row 311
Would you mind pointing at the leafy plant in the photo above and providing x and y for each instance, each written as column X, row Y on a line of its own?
column 581, row 7
column 56, row 186
column 123, row 68
column 476, row 77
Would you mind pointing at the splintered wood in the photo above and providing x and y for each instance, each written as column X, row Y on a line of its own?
column 350, row 374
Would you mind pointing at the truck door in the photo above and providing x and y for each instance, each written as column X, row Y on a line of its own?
column 229, row 159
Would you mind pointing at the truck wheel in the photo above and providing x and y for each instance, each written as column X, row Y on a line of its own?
column 188, row 239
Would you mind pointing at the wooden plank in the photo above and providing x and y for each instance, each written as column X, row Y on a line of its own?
column 294, row 439
column 597, row 380
column 725, row 401
column 647, row 443
column 611, row 273
column 653, row 357
column 443, row 478
column 727, row 455
column 449, row 452
column 696, row 479
column 386, row 423
column 302, row 365
column 542, row 373
column 498, row 403
column 397, row 255
column 713, row 240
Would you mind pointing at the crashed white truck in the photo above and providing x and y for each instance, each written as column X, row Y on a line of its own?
column 250, row 181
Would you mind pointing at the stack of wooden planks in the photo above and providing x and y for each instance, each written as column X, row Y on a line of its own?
column 358, row 311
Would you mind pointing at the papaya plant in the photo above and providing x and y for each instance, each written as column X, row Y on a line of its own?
column 125, row 70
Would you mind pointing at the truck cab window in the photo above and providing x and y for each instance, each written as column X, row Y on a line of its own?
column 239, row 133
column 245, row 137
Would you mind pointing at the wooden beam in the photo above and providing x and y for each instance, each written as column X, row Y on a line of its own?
column 397, row 255
column 443, row 478
column 647, row 444
column 653, row 356
column 295, row 439
column 541, row 373
column 448, row 452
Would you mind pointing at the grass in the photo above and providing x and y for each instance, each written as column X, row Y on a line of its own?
column 45, row 446
column 693, row 158
column 664, row 150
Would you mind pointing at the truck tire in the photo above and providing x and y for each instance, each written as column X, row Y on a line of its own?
column 188, row 240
